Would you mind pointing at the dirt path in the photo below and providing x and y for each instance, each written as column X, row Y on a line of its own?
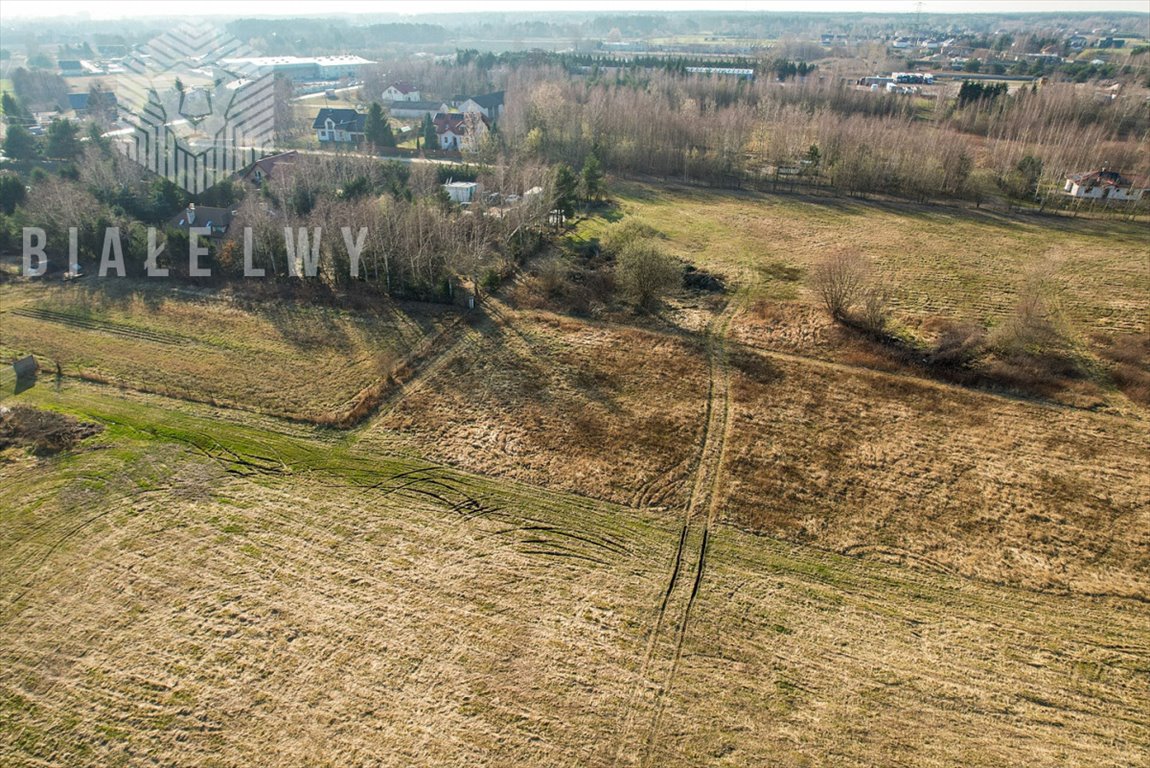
column 664, row 647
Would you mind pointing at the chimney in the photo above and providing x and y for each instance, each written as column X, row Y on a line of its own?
column 191, row 214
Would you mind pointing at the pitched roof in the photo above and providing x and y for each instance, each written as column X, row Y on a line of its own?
column 218, row 219
column 456, row 122
column 266, row 164
column 427, row 106
column 1105, row 177
column 489, row 100
column 345, row 119
column 80, row 100
column 403, row 87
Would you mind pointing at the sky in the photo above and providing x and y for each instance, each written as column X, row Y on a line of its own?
column 113, row 9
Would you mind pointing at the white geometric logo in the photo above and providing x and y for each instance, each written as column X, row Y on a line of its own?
column 197, row 119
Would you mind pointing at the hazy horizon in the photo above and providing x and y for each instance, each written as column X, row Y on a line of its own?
column 20, row 9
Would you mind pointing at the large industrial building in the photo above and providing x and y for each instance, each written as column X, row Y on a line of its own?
column 304, row 68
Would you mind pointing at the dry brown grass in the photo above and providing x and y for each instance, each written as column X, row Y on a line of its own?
column 998, row 489
column 306, row 361
column 159, row 609
column 285, row 596
column 599, row 409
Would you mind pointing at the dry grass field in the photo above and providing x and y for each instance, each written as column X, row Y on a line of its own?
column 941, row 265
column 191, row 588
column 594, row 408
column 288, row 358
column 728, row 534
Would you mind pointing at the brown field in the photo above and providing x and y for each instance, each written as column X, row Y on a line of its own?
column 594, row 408
column 174, row 601
column 287, row 358
column 726, row 535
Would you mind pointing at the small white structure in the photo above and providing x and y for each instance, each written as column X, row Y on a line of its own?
column 739, row 72
column 1104, row 185
column 461, row 191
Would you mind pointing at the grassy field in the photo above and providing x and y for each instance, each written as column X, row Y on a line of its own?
column 292, row 359
column 939, row 260
column 195, row 591
column 723, row 534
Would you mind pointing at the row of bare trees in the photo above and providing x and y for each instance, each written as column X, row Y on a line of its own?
column 415, row 242
column 723, row 131
column 387, row 225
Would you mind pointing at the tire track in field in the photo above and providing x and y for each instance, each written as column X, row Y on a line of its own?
column 105, row 326
column 689, row 563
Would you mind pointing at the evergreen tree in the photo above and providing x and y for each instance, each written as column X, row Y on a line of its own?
column 11, row 192
column 377, row 129
column 592, row 178
column 430, row 140
column 14, row 114
column 20, row 144
column 63, row 140
column 566, row 189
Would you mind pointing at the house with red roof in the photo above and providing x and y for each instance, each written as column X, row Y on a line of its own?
column 460, row 131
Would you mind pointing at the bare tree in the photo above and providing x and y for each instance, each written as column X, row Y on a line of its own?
column 840, row 281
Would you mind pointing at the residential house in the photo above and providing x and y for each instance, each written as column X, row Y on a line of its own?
column 401, row 91
column 216, row 220
column 490, row 105
column 343, row 126
column 460, row 131
column 1105, row 185
column 415, row 110
column 268, row 167
column 81, row 103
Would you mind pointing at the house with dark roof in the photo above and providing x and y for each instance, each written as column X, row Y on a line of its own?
column 1105, row 184
column 266, row 168
column 216, row 220
column 460, row 131
column 401, row 91
column 339, row 125
column 70, row 67
column 490, row 105
column 81, row 103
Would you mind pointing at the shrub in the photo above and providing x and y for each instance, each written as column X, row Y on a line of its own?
column 645, row 274
column 959, row 345
column 619, row 236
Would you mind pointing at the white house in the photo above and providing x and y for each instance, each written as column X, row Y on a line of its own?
column 459, row 131
column 401, row 91
column 339, row 125
column 490, row 105
column 1104, row 185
